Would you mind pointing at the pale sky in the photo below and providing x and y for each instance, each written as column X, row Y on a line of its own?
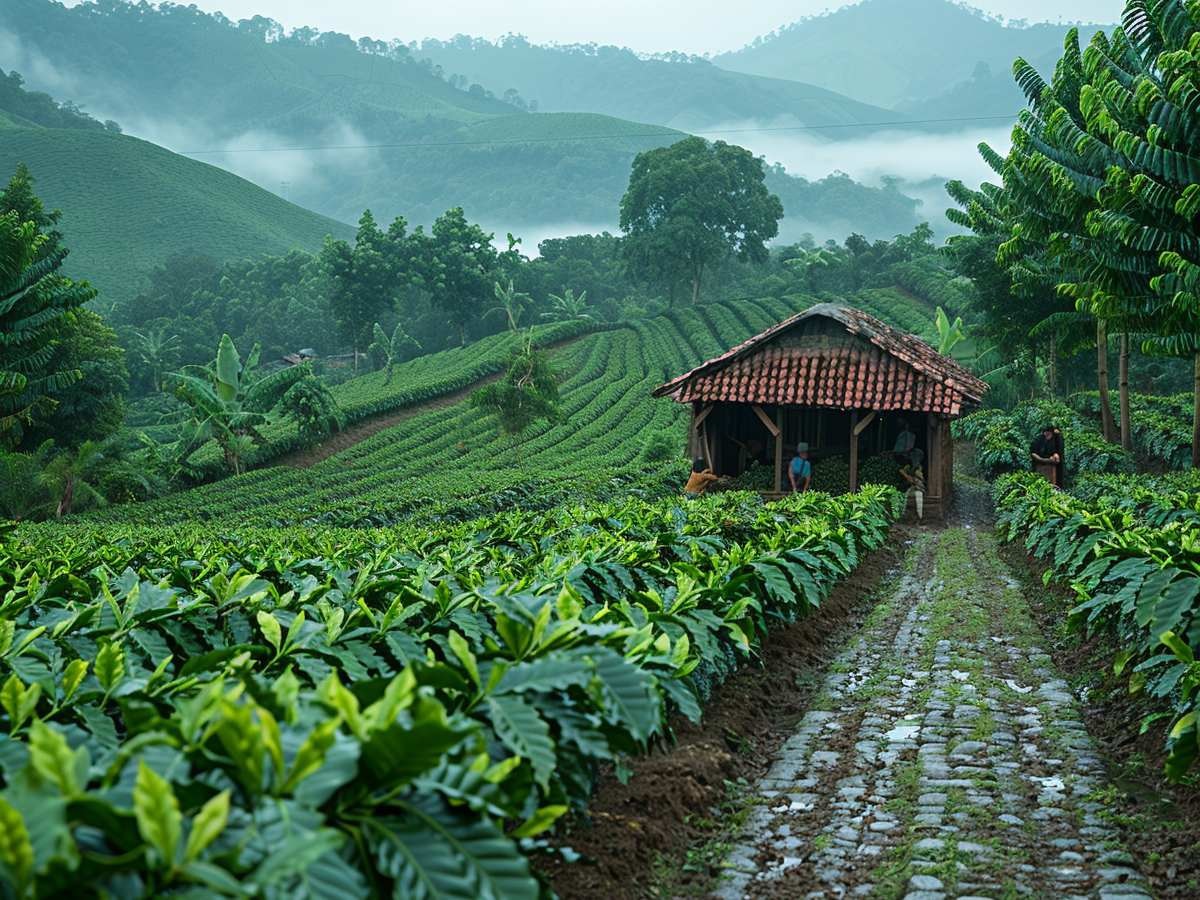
column 692, row 26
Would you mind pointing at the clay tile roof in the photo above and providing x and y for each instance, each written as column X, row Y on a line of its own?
column 877, row 368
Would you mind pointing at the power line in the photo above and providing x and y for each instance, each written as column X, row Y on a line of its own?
column 432, row 145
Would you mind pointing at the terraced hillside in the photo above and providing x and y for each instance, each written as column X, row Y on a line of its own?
column 451, row 462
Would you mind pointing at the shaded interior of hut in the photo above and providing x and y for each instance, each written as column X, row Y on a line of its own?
column 738, row 443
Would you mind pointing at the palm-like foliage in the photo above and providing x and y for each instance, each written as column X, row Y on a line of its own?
column 158, row 352
column 69, row 474
column 33, row 301
column 229, row 404
column 511, row 302
column 1104, row 172
column 389, row 351
column 567, row 305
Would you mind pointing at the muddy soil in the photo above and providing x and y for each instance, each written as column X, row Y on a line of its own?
column 640, row 833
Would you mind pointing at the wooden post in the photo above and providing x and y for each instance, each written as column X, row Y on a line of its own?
column 935, row 481
column 779, row 449
column 853, row 450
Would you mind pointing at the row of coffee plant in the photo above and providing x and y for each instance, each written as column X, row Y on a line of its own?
column 351, row 713
column 1132, row 560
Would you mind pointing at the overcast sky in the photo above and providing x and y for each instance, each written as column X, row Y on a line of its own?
column 693, row 26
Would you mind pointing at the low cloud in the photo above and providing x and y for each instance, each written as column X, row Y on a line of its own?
column 921, row 161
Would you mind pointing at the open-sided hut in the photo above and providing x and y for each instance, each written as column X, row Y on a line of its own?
column 835, row 378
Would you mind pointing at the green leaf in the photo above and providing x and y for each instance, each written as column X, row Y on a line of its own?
column 462, row 651
column 72, row 677
column 157, row 812
column 430, row 852
column 207, row 825
column 229, row 367
column 16, row 851
column 546, row 674
column 523, row 731
column 1177, row 646
column 540, row 821
column 53, row 759
column 630, row 692
column 110, row 665
column 1177, row 600
column 311, row 754
column 271, row 629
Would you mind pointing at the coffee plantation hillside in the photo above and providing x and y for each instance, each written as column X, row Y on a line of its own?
column 452, row 462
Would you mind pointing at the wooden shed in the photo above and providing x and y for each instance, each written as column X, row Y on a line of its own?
column 837, row 379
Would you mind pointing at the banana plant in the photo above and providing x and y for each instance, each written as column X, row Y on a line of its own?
column 230, row 403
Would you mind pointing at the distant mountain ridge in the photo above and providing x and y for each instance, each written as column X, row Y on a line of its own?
column 338, row 125
column 677, row 91
column 900, row 54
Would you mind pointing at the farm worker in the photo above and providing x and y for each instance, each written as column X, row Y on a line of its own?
column 1046, row 451
column 800, row 469
column 702, row 476
column 915, row 476
column 905, row 442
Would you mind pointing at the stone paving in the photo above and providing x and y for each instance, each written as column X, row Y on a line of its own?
column 944, row 757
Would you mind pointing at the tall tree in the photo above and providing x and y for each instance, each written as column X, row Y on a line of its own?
column 1104, row 165
column 34, row 301
column 459, row 265
column 363, row 282
column 690, row 205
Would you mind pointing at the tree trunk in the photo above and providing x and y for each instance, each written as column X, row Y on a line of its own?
column 697, row 272
column 1107, row 426
column 1196, row 415
column 67, row 498
column 1123, row 393
column 1052, row 366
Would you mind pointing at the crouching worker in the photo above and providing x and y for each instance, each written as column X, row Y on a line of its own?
column 800, row 470
column 702, row 476
column 915, row 476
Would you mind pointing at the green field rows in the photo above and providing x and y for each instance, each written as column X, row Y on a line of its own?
column 451, row 462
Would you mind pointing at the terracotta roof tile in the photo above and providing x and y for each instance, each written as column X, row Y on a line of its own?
column 884, row 369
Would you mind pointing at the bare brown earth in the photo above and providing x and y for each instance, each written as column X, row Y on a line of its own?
column 658, row 827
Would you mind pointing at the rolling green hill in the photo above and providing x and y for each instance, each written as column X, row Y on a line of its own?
column 685, row 92
column 128, row 205
column 900, row 54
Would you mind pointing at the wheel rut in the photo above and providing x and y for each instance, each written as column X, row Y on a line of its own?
column 944, row 756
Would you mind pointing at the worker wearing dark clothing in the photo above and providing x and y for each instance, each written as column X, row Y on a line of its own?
column 1046, row 451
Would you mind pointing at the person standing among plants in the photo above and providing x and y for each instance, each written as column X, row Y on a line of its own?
column 1046, row 451
column 800, row 469
column 702, row 476
column 915, row 476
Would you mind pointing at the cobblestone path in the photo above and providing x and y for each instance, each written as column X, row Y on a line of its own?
column 944, row 756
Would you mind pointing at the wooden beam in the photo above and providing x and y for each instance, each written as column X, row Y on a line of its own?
column 699, row 420
column 704, row 441
column 864, row 422
column 853, row 450
column 766, row 420
column 779, row 449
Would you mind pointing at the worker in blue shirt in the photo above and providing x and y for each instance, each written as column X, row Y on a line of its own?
column 800, row 469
